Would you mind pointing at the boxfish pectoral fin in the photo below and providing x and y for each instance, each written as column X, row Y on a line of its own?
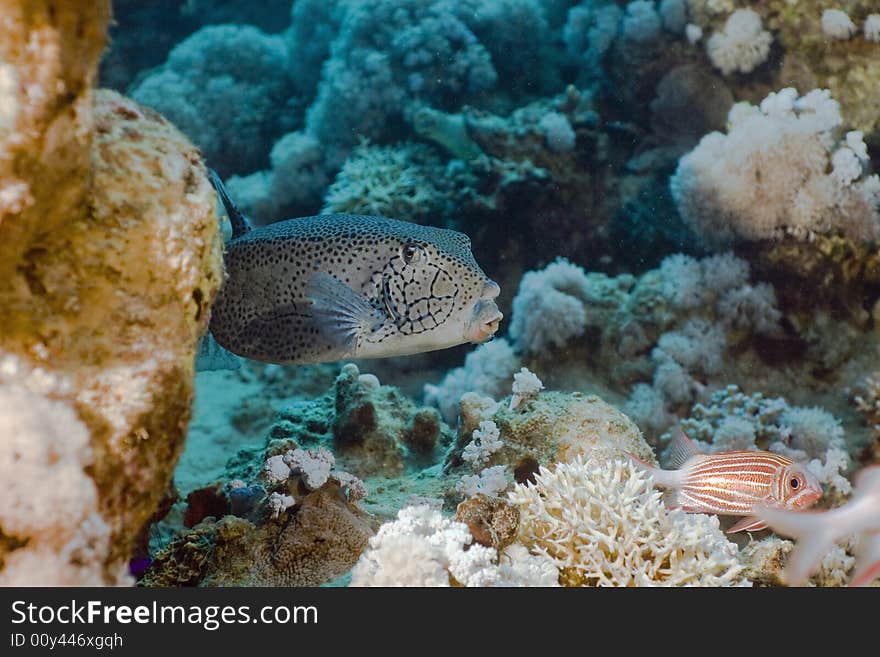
column 341, row 315
column 748, row 524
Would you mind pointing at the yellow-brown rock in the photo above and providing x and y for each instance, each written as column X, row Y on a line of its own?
column 110, row 256
column 556, row 427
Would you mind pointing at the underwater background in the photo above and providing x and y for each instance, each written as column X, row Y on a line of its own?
column 678, row 198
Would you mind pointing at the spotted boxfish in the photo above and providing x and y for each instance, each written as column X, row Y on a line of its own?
column 733, row 483
column 818, row 531
column 335, row 286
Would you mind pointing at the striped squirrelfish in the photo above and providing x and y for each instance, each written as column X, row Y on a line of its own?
column 734, row 483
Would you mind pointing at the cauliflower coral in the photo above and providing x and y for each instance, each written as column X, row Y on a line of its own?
column 225, row 87
column 742, row 46
column 423, row 548
column 783, row 168
column 602, row 524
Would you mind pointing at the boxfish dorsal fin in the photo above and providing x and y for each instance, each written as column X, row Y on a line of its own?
column 683, row 448
column 240, row 223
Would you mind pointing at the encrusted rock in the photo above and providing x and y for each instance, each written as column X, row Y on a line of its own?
column 492, row 521
column 110, row 256
column 370, row 428
column 557, row 427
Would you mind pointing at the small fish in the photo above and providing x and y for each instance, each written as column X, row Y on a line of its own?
column 734, row 483
column 330, row 287
column 818, row 531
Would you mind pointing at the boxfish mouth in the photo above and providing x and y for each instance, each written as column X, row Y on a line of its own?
column 488, row 319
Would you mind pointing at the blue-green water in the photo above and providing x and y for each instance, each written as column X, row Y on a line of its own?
column 678, row 199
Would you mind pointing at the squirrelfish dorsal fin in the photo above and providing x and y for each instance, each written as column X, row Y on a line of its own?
column 682, row 449
column 240, row 223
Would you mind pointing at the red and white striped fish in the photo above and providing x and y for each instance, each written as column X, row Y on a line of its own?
column 734, row 483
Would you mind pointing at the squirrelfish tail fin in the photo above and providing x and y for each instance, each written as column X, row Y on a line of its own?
column 665, row 478
column 240, row 223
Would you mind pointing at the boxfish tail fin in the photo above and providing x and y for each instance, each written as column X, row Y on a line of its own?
column 814, row 540
column 210, row 356
column 240, row 223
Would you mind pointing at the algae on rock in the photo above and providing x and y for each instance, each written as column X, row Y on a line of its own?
column 110, row 255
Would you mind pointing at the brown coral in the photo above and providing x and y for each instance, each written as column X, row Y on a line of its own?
column 322, row 541
column 492, row 521
column 557, row 428
column 315, row 541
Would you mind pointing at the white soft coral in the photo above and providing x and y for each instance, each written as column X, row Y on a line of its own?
column 742, row 45
column 422, row 548
column 783, row 168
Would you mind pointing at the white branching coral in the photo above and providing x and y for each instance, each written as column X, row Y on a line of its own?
column 783, row 168
column 604, row 525
column 423, row 548
column 490, row 481
column 275, row 470
column 742, row 46
column 279, row 503
column 526, row 386
column 837, row 24
column 313, row 465
column 485, row 442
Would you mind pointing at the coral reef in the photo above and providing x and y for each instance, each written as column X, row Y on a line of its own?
column 784, row 168
column 297, row 523
column 732, row 420
column 491, row 521
column 369, row 427
column 422, row 548
column 820, row 534
column 570, row 511
column 315, row 541
column 232, row 115
column 765, row 560
column 678, row 198
column 403, row 181
column 868, row 402
column 110, row 259
column 556, row 427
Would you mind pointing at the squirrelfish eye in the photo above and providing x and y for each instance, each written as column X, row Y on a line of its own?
column 795, row 483
column 411, row 253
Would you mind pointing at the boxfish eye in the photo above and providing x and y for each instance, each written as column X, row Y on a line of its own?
column 411, row 253
column 794, row 483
